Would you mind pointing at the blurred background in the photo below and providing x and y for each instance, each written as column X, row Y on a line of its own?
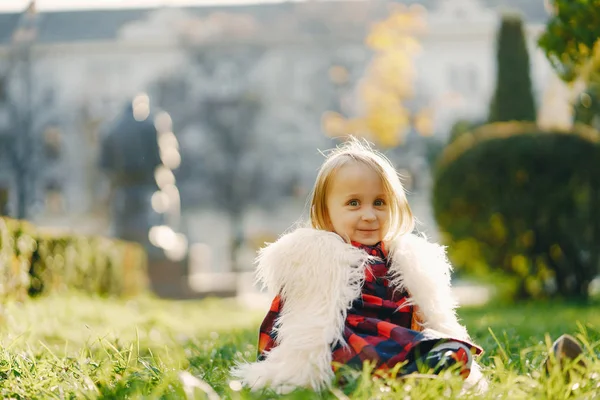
column 195, row 129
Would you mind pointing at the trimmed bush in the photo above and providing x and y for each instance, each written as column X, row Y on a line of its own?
column 513, row 98
column 510, row 197
column 34, row 263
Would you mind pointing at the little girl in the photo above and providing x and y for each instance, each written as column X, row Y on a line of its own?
column 356, row 286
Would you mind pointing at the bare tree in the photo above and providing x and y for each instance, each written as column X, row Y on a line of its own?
column 27, row 105
column 231, row 168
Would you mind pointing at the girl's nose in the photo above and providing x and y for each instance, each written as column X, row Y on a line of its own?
column 368, row 215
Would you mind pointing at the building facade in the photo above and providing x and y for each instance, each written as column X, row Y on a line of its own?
column 85, row 66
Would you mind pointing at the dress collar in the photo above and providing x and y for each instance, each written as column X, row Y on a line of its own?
column 376, row 249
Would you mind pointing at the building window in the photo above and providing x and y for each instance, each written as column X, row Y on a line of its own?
column 4, row 194
column 454, row 78
column 54, row 198
column 3, row 89
column 52, row 143
column 4, row 112
column 460, row 13
column 463, row 79
column 48, row 97
column 472, row 79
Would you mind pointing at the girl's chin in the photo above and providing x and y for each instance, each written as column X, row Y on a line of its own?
column 367, row 241
column 362, row 238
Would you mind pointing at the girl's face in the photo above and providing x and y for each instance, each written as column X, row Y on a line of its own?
column 357, row 204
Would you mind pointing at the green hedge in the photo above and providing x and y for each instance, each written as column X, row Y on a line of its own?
column 510, row 197
column 33, row 263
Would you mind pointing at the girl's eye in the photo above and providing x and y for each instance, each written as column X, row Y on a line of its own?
column 379, row 203
column 353, row 203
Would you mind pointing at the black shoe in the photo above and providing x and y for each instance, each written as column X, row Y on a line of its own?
column 566, row 349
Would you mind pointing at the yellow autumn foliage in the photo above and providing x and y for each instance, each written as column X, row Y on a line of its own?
column 388, row 82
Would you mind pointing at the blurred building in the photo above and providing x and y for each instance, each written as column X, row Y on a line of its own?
column 85, row 66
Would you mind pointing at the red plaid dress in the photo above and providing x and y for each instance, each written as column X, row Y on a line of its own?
column 380, row 327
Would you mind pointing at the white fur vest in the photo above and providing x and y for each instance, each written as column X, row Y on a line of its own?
column 318, row 275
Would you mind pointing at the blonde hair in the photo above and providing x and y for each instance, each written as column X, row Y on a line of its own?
column 354, row 150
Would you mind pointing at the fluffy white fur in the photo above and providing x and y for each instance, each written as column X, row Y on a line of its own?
column 318, row 276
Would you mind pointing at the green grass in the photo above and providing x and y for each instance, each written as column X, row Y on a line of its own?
column 77, row 347
column 81, row 347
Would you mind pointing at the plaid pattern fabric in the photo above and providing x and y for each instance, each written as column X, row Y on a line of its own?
column 382, row 327
column 266, row 334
